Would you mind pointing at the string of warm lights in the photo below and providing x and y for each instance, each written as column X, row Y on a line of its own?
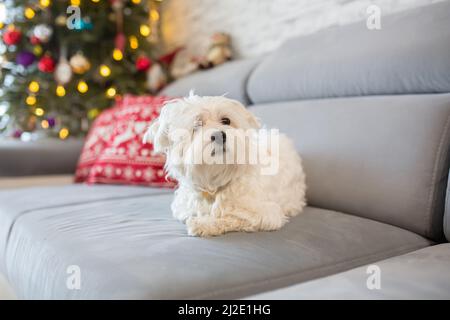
column 104, row 70
column 148, row 31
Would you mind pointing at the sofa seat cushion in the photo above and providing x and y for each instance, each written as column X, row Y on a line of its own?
column 422, row 274
column 127, row 245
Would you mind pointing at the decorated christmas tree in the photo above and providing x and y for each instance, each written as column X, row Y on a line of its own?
column 63, row 61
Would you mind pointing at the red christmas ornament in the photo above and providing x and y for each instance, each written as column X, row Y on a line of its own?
column 46, row 64
column 34, row 40
column 12, row 36
column 143, row 63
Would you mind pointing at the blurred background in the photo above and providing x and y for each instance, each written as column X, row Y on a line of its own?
column 62, row 62
column 65, row 61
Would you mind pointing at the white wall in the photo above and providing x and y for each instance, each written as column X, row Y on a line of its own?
column 259, row 26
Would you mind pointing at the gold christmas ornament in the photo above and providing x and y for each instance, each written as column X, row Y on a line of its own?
column 33, row 86
column 63, row 133
column 31, row 123
column 61, row 20
column 144, row 30
column 79, row 63
column 30, row 100
column 104, row 71
column 37, row 50
column 60, row 91
column 75, row 2
column 93, row 113
column 111, row 92
column 117, row 55
column 82, row 87
column 29, row 13
column 134, row 43
column 39, row 112
column 45, row 124
column 154, row 15
column 44, row 3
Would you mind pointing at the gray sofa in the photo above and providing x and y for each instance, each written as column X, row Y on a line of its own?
column 369, row 113
column 40, row 157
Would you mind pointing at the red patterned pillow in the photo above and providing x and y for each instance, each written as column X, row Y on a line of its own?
column 96, row 142
column 124, row 159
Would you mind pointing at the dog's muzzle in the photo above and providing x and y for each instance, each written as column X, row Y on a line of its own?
column 219, row 138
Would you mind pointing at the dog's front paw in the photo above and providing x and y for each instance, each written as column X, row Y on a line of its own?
column 202, row 227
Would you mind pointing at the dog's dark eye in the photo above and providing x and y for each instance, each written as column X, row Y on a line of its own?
column 225, row 121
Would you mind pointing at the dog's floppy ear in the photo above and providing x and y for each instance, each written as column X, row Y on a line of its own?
column 156, row 136
column 158, row 131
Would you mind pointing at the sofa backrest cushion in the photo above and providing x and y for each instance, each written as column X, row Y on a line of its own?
column 409, row 54
column 229, row 78
column 383, row 157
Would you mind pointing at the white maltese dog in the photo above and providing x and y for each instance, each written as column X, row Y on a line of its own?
column 232, row 175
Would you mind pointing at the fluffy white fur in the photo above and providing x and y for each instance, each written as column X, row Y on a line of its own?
column 213, row 199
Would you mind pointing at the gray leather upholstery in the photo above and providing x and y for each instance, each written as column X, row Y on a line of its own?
column 385, row 157
column 46, row 156
column 229, row 78
column 127, row 245
column 408, row 55
column 422, row 274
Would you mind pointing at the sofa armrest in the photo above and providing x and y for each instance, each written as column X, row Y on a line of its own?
column 35, row 181
column 42, row 157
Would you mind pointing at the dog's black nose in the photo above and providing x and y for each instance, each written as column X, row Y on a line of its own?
column 219, row 137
